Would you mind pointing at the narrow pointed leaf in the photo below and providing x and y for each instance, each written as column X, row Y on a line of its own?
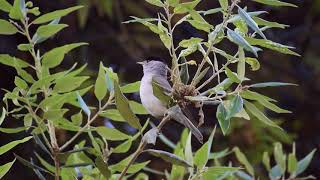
column 239, row 40
column 250, row 22
column 275, row 3
column 100, row 87
column 7, row 28
column 9, row 146
column 221, row 115
column 172, row 158
column 5, row 168
column 111, row 134
column 304, row 163
column 83, row 105
column 243, row 160
column 271, row 84
column 55, row 14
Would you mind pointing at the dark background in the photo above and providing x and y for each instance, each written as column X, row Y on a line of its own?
column 120, row 46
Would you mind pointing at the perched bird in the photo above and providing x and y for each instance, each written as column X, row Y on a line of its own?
column 156, row 71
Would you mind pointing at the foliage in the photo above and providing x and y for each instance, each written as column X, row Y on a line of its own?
column 45, row 97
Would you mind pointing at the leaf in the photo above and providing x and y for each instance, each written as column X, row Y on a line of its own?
column 111, row 134
column 137, row 108
column 190, row 42
column 110, row 76
column 232, row 76
column 13, row 130
column 271, row 45
column 272, row 106
column 236, row 105
column 123, row 147
column 250, row 22
column 253, row 62
column 12, row 61
column 29, row 164
column 201, row 25
column 200, row 76
column 16, row 10
column 68, row 84
column 241, row 66
column 184, row 71
column 243, row 160
column 55, row 14
column 280, row 157
column 186, row 7
column 83, row 105
column 224, row 4
column 103, row 167
column 124, row 107
column 255, row 96
column 304, row 163
column 131, row 88
column 24, row 47
column 270, row 24
column 7, row 28
column 239, row 40
column 221, row 115
column 188, row 150
column 49, row 30
column 201, row 157
column 292, row 163
column 55, row 56
column 44, row 163
column 100, row 87
column 216, row 171
column 5, row 6
column 5, row 168
column 188, row 51
column 275, row 3
column 132, row 169
column 266, row 160
column 275, row 172
column 172, row 158
column 156, row 2
column 3, row 115
column 257, row 113
column 12, row 144
column 271, row 84
column 112, row 114
column 77, row 119
column 158, row 91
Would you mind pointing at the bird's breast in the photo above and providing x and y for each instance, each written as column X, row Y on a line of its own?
column 152, row 104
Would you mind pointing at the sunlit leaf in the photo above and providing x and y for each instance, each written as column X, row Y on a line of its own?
column 3, row 115
column 55, row 14
column 9, row 146
column 201, row 157
column 266, row 160
column 5, row 6
column 12, row 61
column 243, row 160
column 186, row 7
column 131, row 88
column 235, row 106
column 221, row 115
column 232, row 76
column 156, row 2
column 275, row 3
column 239, row 40
column 100, row 87
column 111, row 134
column 253, row 62
column 16, row 12
column 172, row 158
column 5, row 168
column 7, row 28
column 224, row 4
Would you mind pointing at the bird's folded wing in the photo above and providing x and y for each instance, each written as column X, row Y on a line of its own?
column 163, row 83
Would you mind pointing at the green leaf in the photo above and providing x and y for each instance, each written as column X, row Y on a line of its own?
column 216, row 172
column 77, row 119
column 7, row 28
column 270, row 24
column 280, row 157
column 201, row 25
column 232, row 76
column 55, row 14
column 257, row 113
column 68, row 84
column 111, row 134
column 169, row 157
column 9, row 146
column 188, row 152
column 275, row 172
column 47, row 165
column 243, row 160
column 190, row 42
column 224, row 4
column 271, row 84
column 266, row 160
column 188, row 51
column 253, row 62
column 250, row 22
column 272, row 106
column 131, row 88
column 235, row 106
column 16, row 10
column 103, row 167
column 13, row 61
column 239, row 40
column 292, row 163
column 186, row 7
column 304, row 163
column 3, row 115
column 83, row 105
column 271, row 45
column 156, row 2
column 5, row 6
column 275, row 3
column 55, row 56
column 255, row 96
column 13, row 130
column 241, row 66
column 30, row 164
column 100, row 87
column 5, row 168
column 132, row 169
column 184, row 72
column 123, row 147
column 201, row 157
column 221, row 115
column 49, row 30
column 123, row 106
column 24, row 47
column 158, row 91
column 112, row 114
column 137, row 108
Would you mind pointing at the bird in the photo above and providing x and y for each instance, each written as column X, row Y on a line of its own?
column 155, row 71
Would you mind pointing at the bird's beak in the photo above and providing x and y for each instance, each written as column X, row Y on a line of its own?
column 142, row 62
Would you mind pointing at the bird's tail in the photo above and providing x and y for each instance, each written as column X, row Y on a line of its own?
column 176, row 114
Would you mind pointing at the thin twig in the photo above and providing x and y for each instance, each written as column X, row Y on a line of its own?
column 141, row 147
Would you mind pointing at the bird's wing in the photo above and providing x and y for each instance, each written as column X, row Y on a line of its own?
column 163, row 83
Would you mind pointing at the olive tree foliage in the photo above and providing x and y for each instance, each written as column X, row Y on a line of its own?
column 47, row 99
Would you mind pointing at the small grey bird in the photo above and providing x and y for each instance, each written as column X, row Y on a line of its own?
column 156, row 71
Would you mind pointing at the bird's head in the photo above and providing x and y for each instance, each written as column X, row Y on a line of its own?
column 154, row 67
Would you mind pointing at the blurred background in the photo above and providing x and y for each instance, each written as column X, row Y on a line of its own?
column 120, row 46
